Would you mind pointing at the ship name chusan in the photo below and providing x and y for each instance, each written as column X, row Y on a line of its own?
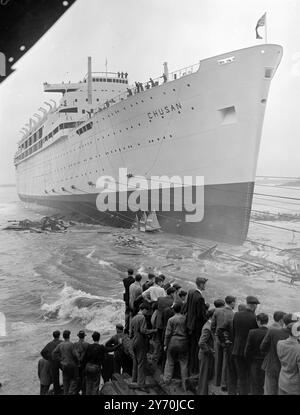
column 164, row 110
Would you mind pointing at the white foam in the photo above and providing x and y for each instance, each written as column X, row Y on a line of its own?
column 2, row 324
column 94, row 312
column 104, row 263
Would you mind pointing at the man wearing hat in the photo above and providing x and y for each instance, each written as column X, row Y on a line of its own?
column 195, row 319
column 65, row 355
column 80, row 349
column 47, row 354
column 121, row 360
column 243, row 322
column 289, row 355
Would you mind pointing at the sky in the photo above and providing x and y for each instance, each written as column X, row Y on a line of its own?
column 137, row 36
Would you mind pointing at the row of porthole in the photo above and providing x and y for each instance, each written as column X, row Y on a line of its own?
column 137, row 103
column 84, row 145
column 130, row 146
column 117, row 111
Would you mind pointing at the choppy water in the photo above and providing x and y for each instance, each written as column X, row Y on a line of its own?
column 74, row 280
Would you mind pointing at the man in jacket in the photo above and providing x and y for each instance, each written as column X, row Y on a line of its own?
column 162, row 304
column 139, row 334
column 271, row 364
column 121, row 359
column 243, row 322
column 289, row 355
column 65, row 354
column 254, row 356
column 220, row 318
column 127, row 282
column 54, row 365
column 176, row 345
column 195, row 319
column 45, row 375
column 206, row 356
column 93, row 361
column 135, row 290
column 80, row 349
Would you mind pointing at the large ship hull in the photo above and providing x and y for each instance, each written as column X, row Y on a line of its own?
column 207, row 124
column 227, row 210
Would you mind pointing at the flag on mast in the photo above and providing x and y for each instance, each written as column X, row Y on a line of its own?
column 261, row 22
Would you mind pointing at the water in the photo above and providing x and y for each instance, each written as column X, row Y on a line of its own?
column 74, row 280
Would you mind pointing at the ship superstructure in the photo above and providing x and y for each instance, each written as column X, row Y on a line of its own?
column 203, row 120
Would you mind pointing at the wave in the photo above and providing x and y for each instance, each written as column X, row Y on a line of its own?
column 92, row 311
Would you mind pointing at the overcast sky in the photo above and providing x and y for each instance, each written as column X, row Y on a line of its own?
column 137, row 36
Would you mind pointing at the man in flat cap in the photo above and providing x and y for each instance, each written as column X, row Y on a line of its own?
column 195, row 319
column 243, row 322
column 80, row 349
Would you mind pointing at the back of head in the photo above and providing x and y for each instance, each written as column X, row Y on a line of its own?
column 171, row 290
column 158, row 280
column 289, row 318
column 56, row 334
column 151, row 276
column 242, row 307
column 230, row 299
column 81, row 334
column 130, row 271
column 177, row 308
column 219, row 303
column 138, row 277
column 66, row 334
column 278, row 315
column 96, row 336
column 200, row 282
column 182, row 293
column 162, row 277
column 262, row 318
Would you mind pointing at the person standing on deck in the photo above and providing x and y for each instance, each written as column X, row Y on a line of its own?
column 135, row 290
column 220, row 317
column 289, row 355
column 254, row 356
column 271, row 364
column 162, row 304
column 47, row 354
column 121, row 360
column 206, row 356
column 45, row 375
column 243, row 322
column 92, row 362
column 176, row 344
column 127, row 282
column 195, row 319
column 140, row 343
column 65, row 354
column 80, row 349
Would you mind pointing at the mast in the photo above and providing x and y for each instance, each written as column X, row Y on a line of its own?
column 89, row 80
